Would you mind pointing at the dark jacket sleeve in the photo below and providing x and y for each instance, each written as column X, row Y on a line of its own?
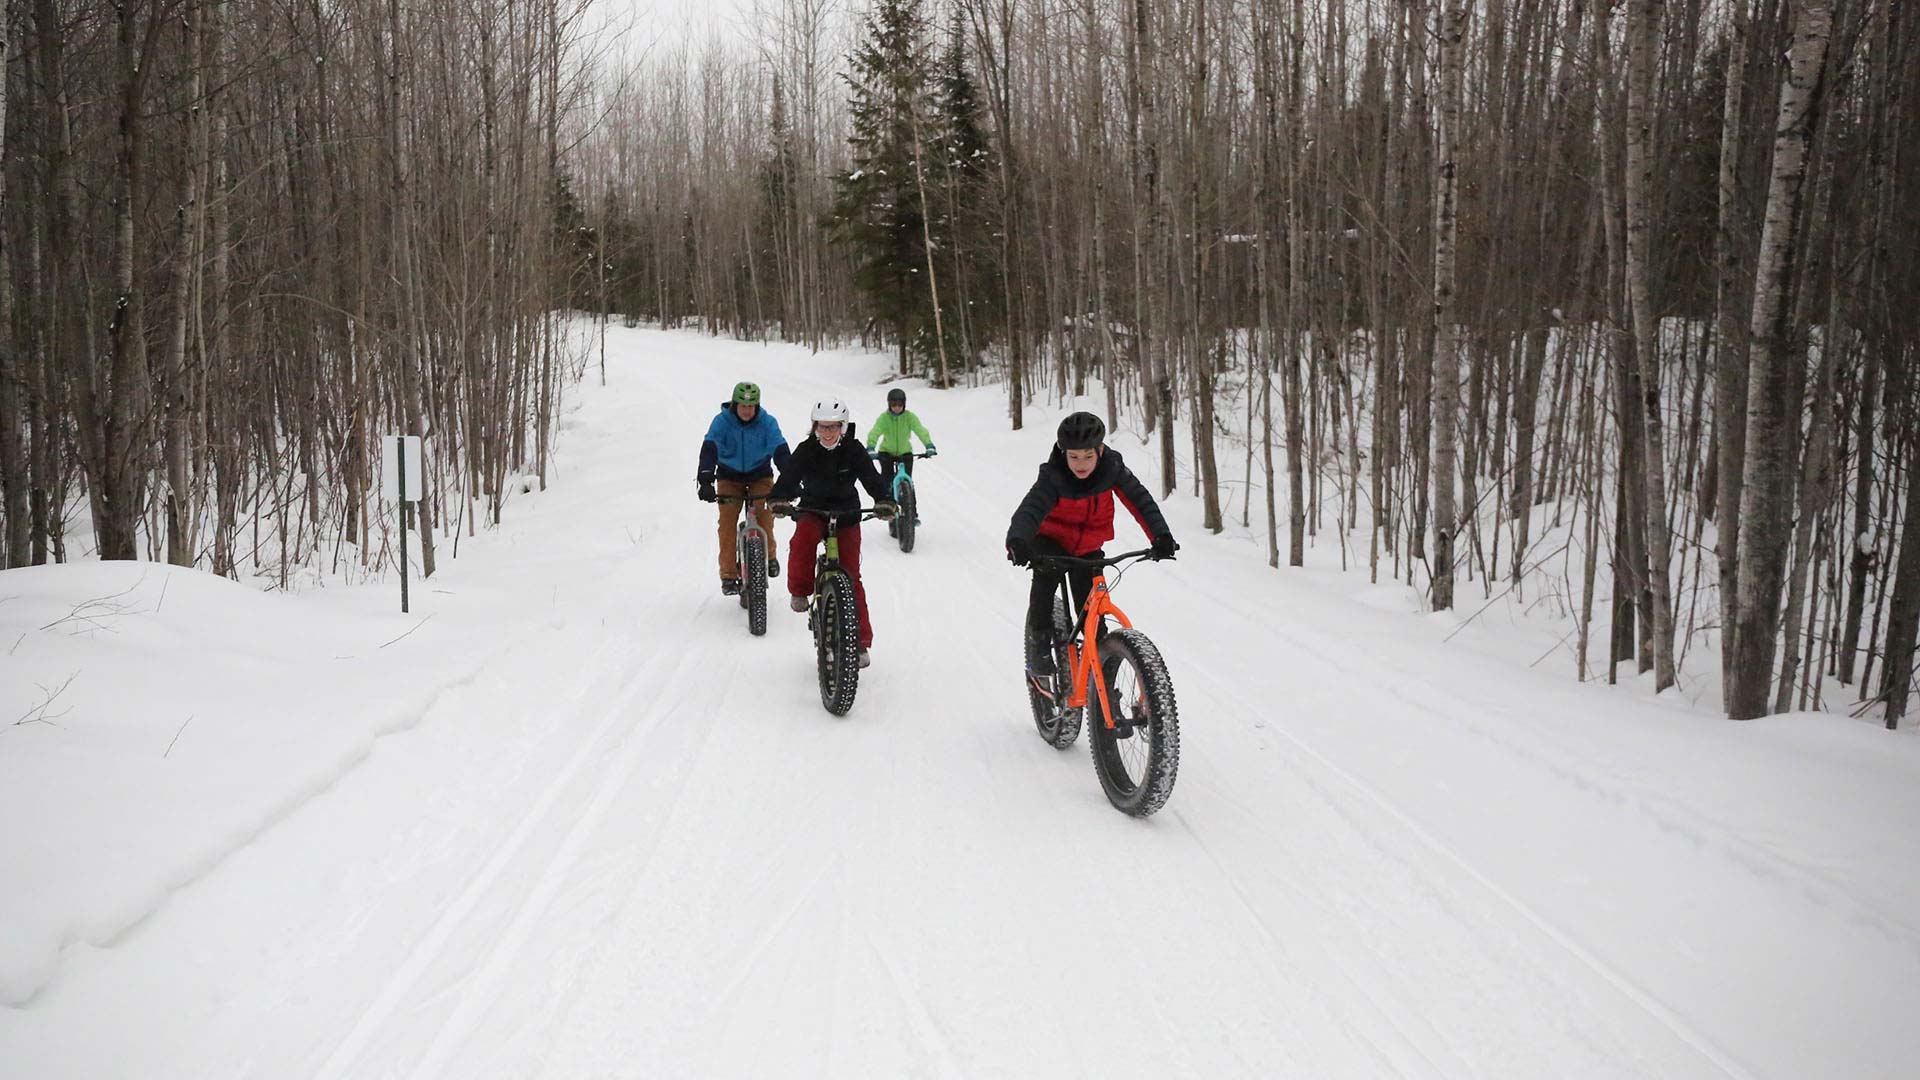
column 1139, row 502
column 709, row 451
column 868, row 475
column 788, row 486
column 782, row 457
column 1039, row 502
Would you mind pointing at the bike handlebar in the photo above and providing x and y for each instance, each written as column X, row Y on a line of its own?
column 791, row 511
column 877, row 453
column 741, row 498
column 1097, row 564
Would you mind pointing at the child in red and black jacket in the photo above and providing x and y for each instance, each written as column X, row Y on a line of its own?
column 1069, row 511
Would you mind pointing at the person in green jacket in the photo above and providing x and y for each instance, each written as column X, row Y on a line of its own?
column 894, row 432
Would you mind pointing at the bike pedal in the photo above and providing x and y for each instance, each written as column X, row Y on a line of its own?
column 1043, row 687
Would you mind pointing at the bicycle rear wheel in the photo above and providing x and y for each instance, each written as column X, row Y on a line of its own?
column 836, row 642
column 753, row 583
column 1139, row 756
column 1057, row 724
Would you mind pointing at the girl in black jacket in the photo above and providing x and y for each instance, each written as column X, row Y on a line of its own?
column 822, row 475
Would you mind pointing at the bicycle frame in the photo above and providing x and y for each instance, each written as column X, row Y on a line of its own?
column 901, row 475
column 1084, row 659
column 748, row 522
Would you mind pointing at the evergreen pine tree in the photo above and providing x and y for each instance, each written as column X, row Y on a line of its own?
column 964, row 225
column 877, row 207
column 576, row 245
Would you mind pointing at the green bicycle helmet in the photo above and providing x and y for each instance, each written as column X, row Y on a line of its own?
column 746, row 393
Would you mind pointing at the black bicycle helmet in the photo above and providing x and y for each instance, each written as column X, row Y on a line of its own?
column 1081, row 431
column 896, row 396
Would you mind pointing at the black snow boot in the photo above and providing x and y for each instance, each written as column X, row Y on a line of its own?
column 1040, row 663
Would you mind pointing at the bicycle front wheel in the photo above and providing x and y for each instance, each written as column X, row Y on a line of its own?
column 1138, row 754
column 753, row 583
column 836, row 642
column 904, row 522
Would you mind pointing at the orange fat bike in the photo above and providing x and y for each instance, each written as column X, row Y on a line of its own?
column 1115, row 678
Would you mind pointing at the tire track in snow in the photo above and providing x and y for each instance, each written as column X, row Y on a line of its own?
column 1358, row 988
column 401, row 983
column 926, row 1030
column 481, row 989
column 1364, row 685
column 1729, row 841
column 636, row 866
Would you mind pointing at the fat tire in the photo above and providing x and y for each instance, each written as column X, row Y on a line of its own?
column 836, row 643
column 753, row 585
column 904, row 518
column 1131, row 647
column 1058, row 726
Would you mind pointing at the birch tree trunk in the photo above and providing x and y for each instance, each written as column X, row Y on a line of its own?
column 1292, row 353
column 1772, row 418
column 1643, row 19
column 1730, row 363
column 1446, row 344
column 410, row 341
column 188, row 235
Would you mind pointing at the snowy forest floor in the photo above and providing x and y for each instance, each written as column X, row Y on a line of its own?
column 569, row 819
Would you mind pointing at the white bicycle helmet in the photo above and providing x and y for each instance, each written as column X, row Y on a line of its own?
column 829, row 410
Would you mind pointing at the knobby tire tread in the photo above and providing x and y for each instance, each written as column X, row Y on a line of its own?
column 1059, row 727
column 905, row 517
column 837, row 643
column 1163, row 730
column 754, row 584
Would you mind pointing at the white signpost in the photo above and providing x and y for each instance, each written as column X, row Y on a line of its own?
column 402, row 481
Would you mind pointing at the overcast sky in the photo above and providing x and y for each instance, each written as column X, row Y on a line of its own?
column 669, row 20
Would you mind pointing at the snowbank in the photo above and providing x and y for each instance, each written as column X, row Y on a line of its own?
column 157, row 719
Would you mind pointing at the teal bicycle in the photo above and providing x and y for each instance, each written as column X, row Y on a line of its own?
column 904, row 526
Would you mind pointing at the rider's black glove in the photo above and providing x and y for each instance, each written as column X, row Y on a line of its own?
column 1164, row 546
column 1019, row 552
column 707, row 494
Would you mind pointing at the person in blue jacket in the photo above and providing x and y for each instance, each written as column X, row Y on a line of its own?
column 738, row 456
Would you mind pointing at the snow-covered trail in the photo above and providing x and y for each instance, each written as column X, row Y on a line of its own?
column 636, row 845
